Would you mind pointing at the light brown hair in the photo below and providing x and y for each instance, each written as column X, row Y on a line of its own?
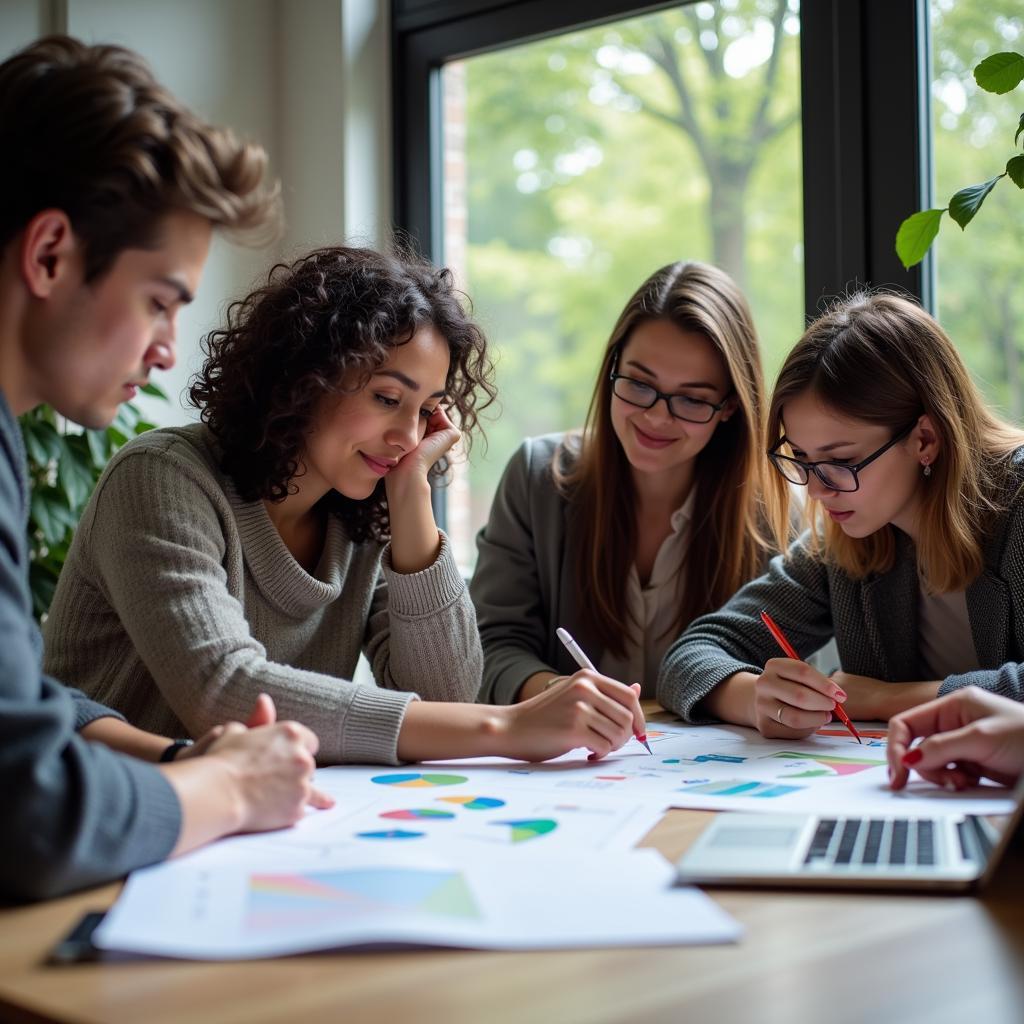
column 882, row 359
column 88, row 130
column 728, row 536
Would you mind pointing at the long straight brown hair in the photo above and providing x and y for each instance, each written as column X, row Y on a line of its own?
column 882, row 359
column 729, row 534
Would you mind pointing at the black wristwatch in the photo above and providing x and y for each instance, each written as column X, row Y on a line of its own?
column 172, row 751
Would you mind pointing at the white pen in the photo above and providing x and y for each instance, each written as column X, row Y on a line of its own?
column 584, row 662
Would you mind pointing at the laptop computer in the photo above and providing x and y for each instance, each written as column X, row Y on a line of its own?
column 947, row 852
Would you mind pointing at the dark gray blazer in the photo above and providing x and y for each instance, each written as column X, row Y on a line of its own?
column 874, row 621
column 524, row 585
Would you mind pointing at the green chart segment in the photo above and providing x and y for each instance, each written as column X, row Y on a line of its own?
column 525, row 829
column 830, row 764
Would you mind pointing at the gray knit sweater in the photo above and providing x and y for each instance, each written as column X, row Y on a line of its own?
column 179, row 603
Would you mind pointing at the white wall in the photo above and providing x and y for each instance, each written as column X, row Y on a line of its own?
column 309, row 79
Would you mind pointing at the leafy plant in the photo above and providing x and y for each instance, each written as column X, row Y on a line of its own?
column 63, row 468
column 998, row 73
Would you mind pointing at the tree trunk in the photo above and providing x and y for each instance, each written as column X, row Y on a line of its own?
column 727, row 220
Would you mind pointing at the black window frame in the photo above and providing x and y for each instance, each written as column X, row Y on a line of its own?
column 865, row 123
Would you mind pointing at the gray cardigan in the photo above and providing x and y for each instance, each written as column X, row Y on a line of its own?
column 524, row 585
column 74, row 813
column 874, row 621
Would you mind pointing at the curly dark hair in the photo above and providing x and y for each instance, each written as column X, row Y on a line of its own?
column 293, row 340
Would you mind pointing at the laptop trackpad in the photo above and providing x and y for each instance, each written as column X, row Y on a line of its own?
column 772, row 842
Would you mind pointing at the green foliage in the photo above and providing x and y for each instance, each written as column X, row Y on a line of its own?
column 998, row 73
column 916, row 234
column 979, row 299
column 1015, row 170
column 63, row 468
column 967, row 202
column 1001, row 72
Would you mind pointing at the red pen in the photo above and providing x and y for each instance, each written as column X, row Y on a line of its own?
column 787, row 647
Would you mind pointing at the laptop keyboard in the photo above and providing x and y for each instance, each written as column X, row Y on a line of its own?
column 872, row 842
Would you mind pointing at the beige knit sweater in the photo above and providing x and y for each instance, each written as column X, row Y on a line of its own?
column 179, row 603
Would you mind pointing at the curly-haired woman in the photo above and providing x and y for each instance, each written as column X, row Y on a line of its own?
column 262, row 549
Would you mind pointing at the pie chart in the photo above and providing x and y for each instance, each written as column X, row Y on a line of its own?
column 418, row 780
column 525, row 829
column 417, row 812
column 474, row 803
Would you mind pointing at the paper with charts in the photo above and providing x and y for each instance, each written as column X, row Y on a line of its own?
column 724, row 767
column 198, row 908
column 443, row 815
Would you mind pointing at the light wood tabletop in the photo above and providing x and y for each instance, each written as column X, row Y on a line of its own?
column 805, row 957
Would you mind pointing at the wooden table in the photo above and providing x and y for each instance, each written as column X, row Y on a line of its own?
column 826, row 957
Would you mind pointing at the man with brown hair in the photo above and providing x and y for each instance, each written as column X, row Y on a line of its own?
column 109, row 191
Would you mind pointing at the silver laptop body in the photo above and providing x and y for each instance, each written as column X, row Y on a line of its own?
column 864, row 852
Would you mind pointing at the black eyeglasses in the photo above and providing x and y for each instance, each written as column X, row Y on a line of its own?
column 682, row 407
column 836, row 476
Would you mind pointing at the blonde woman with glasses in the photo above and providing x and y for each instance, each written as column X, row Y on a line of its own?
column 651, row 515
column 914, row 555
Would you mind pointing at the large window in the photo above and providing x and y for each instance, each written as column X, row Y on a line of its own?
column 979, row 296
column 555, row 154
column 577, row 165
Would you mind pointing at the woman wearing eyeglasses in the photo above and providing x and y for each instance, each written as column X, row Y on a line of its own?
column 650, row 516
column 915, row 554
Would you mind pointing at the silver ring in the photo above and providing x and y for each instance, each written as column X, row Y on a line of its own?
column 778, row 714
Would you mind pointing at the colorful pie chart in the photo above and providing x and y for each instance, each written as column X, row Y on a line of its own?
column 417, row 812
column 418, row 780
column 474, row 803
column 525, row 829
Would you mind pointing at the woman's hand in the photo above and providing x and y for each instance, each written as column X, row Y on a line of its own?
column 792, row 699
column 585, row 710
column 415, row 541
column 970, row 734
column 440, row 436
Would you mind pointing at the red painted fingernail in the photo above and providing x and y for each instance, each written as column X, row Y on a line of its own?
column 840, row 695
column 912, row 756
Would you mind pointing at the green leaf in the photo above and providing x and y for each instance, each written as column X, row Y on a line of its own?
column 967, row 202
column 1020, row 128
column 51, row 515
column 152, row 389
column 1015, row 170
column 1000, row 72
column 126, row 418
column 915, row 235
column 42, row 582
column 99, row 446
column 75, row 474
column 42, row 442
